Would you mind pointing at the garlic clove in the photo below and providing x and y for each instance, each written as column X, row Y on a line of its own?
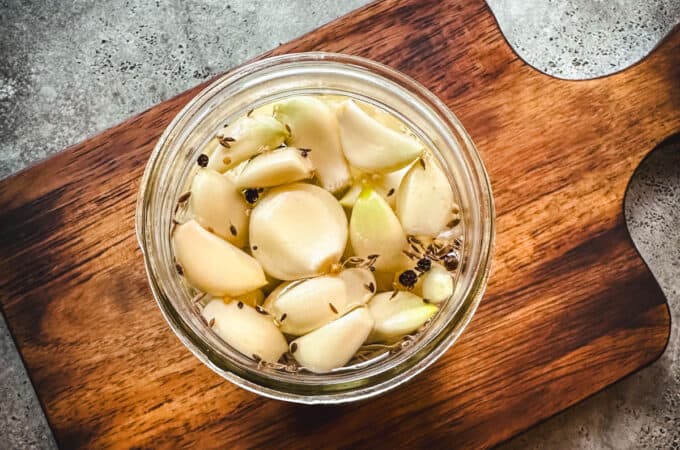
column 214, row 265
column 436, row 285
column 370, row 145
column 248, row 331
column 297, row 231
column 375, row 229
column 398, row 315
column 282, row 166
column 425, row 199
column 334, row 344
column 218, row 207
column 314, row 127
column 360, row 284
column 305, row 305
column 244, row 139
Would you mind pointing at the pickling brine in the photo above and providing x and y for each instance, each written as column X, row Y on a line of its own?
column 317, row 232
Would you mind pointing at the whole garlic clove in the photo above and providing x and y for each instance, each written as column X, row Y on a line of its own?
column 360, row 284
column 425, row 199
column 375, row 230
column 314, row 127
column 398, row 315
column 214, row 265
column 297, row 231
column 436, row 285
column 244, row 139
column 282, row 166
column 370, row 145
column 334, row 344
column 217, row 205
column 305, row 305
column 241, row 326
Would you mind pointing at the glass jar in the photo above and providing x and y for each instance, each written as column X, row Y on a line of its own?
column 173, row 161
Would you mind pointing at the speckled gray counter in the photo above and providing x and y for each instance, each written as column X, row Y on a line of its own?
column 579, row 39
column 68, row 73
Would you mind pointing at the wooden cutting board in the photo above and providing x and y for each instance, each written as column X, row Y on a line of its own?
column 570, row 307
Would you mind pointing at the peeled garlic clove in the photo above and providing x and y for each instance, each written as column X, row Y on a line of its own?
column 252, row 298
column 334, row 344
column 244, row 139
column 214, row 265
column 297, row 231
column 397, row 316
column 360, row 284
column 303, row 306
column 375, row 229
column 314, row 126
column 248, row 331
column 274, row 168
column 436, row 285
column 425, row 199
column 217, row 205
column 370, row 145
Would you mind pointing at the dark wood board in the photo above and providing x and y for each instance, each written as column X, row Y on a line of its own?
column 570, row 307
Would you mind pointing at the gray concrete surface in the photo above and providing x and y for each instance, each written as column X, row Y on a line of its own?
column 578, row 39
column 22, row 423
column 70, row 70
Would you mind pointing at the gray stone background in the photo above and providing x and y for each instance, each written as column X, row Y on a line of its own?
column 71, row 69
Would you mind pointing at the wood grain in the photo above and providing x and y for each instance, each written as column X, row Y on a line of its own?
column 570, row 307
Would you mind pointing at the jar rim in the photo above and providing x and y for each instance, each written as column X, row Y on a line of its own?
column 419, row 358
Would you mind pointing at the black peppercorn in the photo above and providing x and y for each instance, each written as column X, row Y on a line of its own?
column 408, row 278
column 202, row 160
column 424, row 264
column 251, row 195
column 451, row 261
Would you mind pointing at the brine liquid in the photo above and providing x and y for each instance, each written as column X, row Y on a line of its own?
column 317, row 232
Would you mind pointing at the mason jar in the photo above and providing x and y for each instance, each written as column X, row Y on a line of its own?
column 172, row 164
